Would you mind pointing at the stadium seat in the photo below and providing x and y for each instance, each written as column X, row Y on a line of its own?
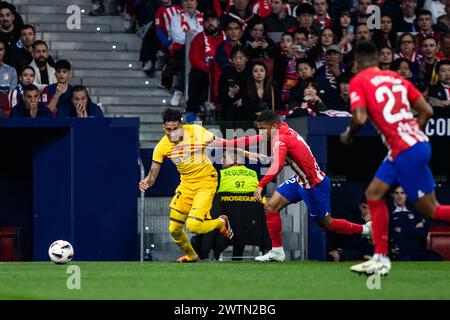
column 8, row 250
column 439, row 240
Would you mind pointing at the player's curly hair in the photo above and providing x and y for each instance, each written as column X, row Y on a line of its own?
column 170, row 115
column 268, row 116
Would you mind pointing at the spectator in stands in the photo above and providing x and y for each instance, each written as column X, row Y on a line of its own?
column 82, row 105
column 327, row 38
column 408, row 20
column 26, row 77
column 385, row 58
column 440, row 92
column 260, row 94
column 342, row 103
column 9, row 31
column 360, row 15
column 305, row 17
column 344, row 30
column 403, row 67
column 45, row 74
column 408, row 232
column 31, row 106
column 285, row 67
column 328, row 74
column 201, row 56
column 239, row 11
column 232, row 88
column 386, row 36
column 354, row 247
column 233, row 32
column 163, row 19
column 57, row 95
column 258, row 44
column 427, row 67
column 445, row 45
column 279, row 20
column 310, row 103
column 363, row 33
column 8, row 79
column 321, row 18
column 187, row 20
column 22, row 52
column 426, row 29
column 407, row 51
column 305, row 69
column 437, row 8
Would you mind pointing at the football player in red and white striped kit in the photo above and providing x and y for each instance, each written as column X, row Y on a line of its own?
column 309, row 183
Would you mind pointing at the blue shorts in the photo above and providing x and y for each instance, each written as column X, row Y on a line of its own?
column 317, row 198
column 410, row 170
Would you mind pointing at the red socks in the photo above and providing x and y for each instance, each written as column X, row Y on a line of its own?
column 380, row 225
column 345, row 227
column 442, row 213
column 273, row 220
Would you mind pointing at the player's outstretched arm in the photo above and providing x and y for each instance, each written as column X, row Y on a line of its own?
column 425, row 112
column 150, row 179
column 359, row 118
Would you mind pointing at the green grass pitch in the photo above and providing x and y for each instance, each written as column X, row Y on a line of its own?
column 221, row 280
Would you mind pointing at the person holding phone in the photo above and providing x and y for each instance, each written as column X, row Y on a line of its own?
column 232, row 86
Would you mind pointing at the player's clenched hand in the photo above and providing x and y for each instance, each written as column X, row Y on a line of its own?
column 258, row 194
column 345, row 137
column 143, row 184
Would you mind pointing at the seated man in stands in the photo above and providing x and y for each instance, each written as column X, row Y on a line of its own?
column 57, row 95
column 9, row 29
column 82, row 105
column 439, row 94
column 22, row 52
column 31, row 106
column 408, row 232
column 45, row 74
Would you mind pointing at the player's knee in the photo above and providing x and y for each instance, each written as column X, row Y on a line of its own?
column 193, row 225
column 268, row 207
column 373, row 194
column 175, row 228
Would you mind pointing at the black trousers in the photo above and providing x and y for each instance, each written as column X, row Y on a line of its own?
column 198, row 90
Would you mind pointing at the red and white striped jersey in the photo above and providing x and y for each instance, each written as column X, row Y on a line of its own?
column 164, row 15
column 388, row 98
column 287, row 146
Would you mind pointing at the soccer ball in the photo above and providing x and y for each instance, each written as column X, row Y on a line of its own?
column 60, row 252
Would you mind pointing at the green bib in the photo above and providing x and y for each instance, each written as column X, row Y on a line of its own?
column 238, row 179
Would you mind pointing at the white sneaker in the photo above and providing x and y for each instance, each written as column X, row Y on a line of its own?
column 175, row 101
column 271, row 256
column 372, row 266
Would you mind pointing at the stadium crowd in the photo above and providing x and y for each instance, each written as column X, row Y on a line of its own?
column 32, row 84
column 292, row 56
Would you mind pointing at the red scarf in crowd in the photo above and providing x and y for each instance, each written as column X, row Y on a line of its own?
column 209, row 52
column 218, row 8
column 262, row 8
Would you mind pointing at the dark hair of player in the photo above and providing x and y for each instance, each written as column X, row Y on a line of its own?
column 366, row 54
column 171, row 115
column 269, row 117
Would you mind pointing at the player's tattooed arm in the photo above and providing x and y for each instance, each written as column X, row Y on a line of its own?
column 359, row 118
column 150, row 179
